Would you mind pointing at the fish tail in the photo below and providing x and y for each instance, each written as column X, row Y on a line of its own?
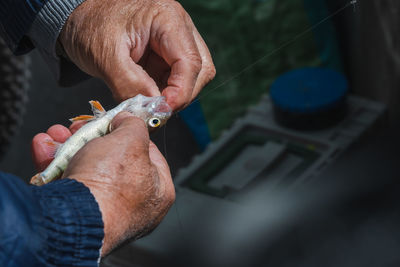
column 37, row 180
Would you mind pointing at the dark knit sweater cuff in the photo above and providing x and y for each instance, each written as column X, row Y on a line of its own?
column 47, row 27
column 72, row 223
column 49, row 23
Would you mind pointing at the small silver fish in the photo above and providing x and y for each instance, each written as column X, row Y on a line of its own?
column 154, row 111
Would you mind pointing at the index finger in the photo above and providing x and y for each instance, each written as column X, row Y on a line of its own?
column 176, row 45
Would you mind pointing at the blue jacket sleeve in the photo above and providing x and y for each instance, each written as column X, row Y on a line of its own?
column 58, row 224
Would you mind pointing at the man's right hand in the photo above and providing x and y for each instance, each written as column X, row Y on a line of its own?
column 141, row 46
column 126, row 173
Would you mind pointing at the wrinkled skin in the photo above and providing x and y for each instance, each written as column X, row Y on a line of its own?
column 125, row 172
column 136, row 46
column 139, row 46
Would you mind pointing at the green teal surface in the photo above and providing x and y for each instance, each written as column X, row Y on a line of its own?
column 239, row 33
column 324, row 34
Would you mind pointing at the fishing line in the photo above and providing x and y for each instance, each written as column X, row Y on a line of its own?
column 165, row 142
column 176, row 202
column 179, row 219
column 284, row 45
column 354, row 3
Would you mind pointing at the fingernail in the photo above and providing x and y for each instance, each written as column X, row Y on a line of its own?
column 172, row 98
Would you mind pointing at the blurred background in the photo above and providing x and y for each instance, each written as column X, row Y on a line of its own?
column 288, row 158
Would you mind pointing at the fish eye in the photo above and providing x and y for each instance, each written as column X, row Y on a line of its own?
column 154, row 122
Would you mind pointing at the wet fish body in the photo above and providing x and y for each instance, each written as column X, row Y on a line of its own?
column 154, row 111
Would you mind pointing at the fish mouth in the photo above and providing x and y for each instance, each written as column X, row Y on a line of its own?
column 157, row 106
column 161, row 106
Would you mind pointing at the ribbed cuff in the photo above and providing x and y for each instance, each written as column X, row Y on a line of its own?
column 47, row 27
column 72, row 223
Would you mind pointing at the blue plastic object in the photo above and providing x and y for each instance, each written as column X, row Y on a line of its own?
column 309, row 90
column 194, row 119
column 309, row 98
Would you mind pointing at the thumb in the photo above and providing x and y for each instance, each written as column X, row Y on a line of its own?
column 127, row 79
column 119, row 119
column 130, row 130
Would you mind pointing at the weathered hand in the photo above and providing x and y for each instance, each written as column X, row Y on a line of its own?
column 141, row 46
column 125, row 172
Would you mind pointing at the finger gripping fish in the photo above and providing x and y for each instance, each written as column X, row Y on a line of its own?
column 154, row 111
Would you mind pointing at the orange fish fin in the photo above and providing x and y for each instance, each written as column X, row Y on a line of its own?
column 52, row 143
column 82, row 118
column 53, row 147
column 97, row 108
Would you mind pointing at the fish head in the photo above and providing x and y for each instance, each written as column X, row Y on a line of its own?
column 154, row 111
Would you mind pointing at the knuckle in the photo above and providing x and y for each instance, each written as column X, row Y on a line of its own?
column 177, row 6
column 171, row 195
column 211, row 72
column 162, row 37
column 187, row 19
column 139, row 144
column 196, row 62
column 170, row 8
